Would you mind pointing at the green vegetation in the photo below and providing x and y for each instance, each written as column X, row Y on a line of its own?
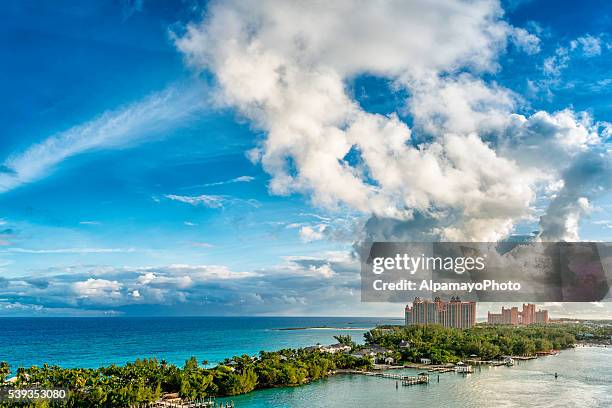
column 345, row 340
column 146, row 380
column 448, row 345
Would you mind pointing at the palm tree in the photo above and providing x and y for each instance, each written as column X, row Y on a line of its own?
column 5, row 370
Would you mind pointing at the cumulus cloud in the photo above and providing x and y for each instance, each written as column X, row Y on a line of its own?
column 588, row 177
column 524, row 40
column 308, row 233
column 459, row 166
column 588, row 44
column 296, row 285
column 557, row 62
column 97, row 290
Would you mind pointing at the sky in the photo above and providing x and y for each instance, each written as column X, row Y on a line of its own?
column 224, row 158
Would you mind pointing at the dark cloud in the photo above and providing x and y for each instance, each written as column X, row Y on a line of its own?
column 298, row 285
column 588, row 177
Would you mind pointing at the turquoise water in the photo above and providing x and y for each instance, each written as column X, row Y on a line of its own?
column 585, row 380
column 92, row 342
column 585, row 374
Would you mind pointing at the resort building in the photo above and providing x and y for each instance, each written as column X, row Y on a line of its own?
column 333, row 348
column 458, row 314
column 513, row 316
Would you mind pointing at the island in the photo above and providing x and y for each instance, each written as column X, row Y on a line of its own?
column 147, row 381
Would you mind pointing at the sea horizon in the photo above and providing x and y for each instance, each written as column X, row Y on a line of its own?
column 73, row 342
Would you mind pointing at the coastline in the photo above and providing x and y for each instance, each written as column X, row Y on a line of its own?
column 576, row 386
column 450, row 350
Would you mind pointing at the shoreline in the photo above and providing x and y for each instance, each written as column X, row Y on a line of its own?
column 399, row 347
column 321, row 328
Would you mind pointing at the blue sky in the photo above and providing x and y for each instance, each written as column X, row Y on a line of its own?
column 138, row 179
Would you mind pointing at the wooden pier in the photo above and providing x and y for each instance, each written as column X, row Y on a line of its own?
column 422, row 378
column 414, row 380
column 179, row 403
column 441, row 369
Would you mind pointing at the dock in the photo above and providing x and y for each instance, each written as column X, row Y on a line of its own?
column 180, row 403
column 414, row 380
column 441, row 369
column 422, row 378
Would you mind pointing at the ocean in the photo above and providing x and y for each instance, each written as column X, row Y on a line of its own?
column 97, row 341
column 584, row 374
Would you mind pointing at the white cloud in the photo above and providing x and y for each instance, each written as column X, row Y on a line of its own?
column 114, row 129
column 309, row 233
column 460, row 160
column 525, row 41
column 97, row 289
column 241, row 179
column 590, row 45
column 68, row 250
column 210, row 201
column 554, row 64
column 90, row 223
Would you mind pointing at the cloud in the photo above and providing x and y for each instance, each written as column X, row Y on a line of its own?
column 554, row 64
column 90, row 223
column 589, row 177
column 241, row 179
column 298, row 285
column 202, row 245
column 67, row 250
column 458, row 166
column 588, row 44
column 114, row 129
column 525, row 41
column 309, row 234
column 99, row 290
column 212, row 201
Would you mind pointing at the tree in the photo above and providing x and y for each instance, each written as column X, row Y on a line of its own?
column 5, row 370
column 346, row 340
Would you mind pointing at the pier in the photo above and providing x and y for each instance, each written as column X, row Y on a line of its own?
column 422, row 378
column 413, row 380
column 180, row 403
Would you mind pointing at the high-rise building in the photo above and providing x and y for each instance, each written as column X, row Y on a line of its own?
column 448, row 314
column 513, row 316
column 541, row 317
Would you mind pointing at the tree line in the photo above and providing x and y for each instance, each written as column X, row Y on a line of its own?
column 450, row 345
column 146, row 380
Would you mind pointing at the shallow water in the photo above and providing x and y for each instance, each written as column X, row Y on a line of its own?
column 585, row 380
